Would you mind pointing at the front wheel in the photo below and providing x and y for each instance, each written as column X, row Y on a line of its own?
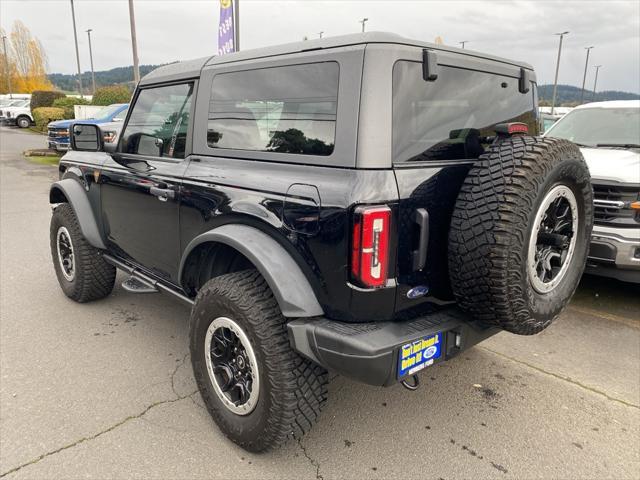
column 23, row 122
column 257, row 389
column 82, row 272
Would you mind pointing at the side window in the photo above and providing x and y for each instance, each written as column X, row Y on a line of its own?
column 289, row 109
column 159, row 121
column 451, row 118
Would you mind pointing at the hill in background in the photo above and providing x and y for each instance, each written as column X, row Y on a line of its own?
column 119, row 75
column 566, row 95
column 569, row 95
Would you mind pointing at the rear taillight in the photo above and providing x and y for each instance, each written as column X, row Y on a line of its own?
column 370, row 245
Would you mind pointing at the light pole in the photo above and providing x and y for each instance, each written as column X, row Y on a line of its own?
column 363, row 21
column 320, row 33
column 236, row 26
column 595, row 82
column 93, row 75
column 463, row 42
column 6, row 64
column 555, row 82
column 584, row 78
column 134, row 43
column 75, row 37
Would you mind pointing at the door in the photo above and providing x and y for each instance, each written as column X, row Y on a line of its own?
column 140, row 184
column 439, row 129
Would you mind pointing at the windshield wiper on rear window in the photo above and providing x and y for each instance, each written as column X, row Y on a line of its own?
column 618, row 145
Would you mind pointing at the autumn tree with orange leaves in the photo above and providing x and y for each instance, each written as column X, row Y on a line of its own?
column 27, row 62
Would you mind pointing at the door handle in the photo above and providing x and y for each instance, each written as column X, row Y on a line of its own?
column 163, row 194
column 419, row 256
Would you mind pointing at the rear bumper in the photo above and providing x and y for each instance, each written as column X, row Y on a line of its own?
column 369, row 352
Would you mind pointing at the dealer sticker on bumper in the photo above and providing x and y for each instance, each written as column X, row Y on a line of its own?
column 418, row 354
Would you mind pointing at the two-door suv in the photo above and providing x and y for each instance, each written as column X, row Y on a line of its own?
column 365, row 204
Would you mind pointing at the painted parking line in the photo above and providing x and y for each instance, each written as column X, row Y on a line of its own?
column 629, row 322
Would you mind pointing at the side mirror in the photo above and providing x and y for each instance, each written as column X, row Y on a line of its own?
column 86, row 137
column 111, row 147
column 150, row 145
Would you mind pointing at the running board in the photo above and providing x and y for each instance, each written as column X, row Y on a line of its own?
column 137, row 285
column 148, row 282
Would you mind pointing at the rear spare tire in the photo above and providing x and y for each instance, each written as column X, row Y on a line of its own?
column 520, row 232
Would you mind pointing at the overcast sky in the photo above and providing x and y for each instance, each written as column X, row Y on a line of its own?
column 170, row 30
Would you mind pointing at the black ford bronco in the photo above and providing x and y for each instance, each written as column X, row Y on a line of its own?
column 364, row 204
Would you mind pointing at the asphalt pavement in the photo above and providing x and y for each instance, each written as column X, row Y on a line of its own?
column 105, row 390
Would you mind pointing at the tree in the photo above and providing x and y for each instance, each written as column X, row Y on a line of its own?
column 295, row 141
column 112, row 94
column 27, row 62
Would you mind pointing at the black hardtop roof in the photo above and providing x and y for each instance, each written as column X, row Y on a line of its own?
column 192, row 68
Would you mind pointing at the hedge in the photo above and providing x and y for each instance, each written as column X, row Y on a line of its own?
column 44, row 98
column 112, row 94
column 67, row 104
column 44, row 115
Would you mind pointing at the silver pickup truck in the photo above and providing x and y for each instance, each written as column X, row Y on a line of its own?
column 608, row 134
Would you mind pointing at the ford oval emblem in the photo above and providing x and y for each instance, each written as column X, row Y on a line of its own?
column 430, row 352
column 419, row 291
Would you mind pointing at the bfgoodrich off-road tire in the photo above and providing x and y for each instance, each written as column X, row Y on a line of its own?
column 526, row 205
column 82, row 272
column 239, row 308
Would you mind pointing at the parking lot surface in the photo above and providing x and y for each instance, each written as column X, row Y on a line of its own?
column 105, row 390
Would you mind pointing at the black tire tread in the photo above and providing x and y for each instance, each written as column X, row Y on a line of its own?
column 298, row 387
column 94, row 277
column 490, row 223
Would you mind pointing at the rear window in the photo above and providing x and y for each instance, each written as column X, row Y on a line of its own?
column 289, row 109
column 450, row 118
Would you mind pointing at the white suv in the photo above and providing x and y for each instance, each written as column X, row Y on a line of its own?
column 608, row 134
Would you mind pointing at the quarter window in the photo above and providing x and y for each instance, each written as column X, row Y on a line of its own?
column 289, row 109
column 159, row 121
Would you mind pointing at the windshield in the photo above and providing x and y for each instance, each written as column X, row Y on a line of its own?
column 121, row 116
column 599, row 126
column 106, row 111
column 14, row 103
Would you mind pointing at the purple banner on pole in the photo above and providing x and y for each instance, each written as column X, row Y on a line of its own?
column 226, row 34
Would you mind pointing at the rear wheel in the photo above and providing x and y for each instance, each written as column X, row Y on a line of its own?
column 520, row 233
column 82, row 273
column 256, row 388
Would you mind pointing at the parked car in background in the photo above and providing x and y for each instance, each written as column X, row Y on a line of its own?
column 547, row 121
column 110, row 132
column 608, row 134
column 58, row 131
column 18, row 113
column 10, row 102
